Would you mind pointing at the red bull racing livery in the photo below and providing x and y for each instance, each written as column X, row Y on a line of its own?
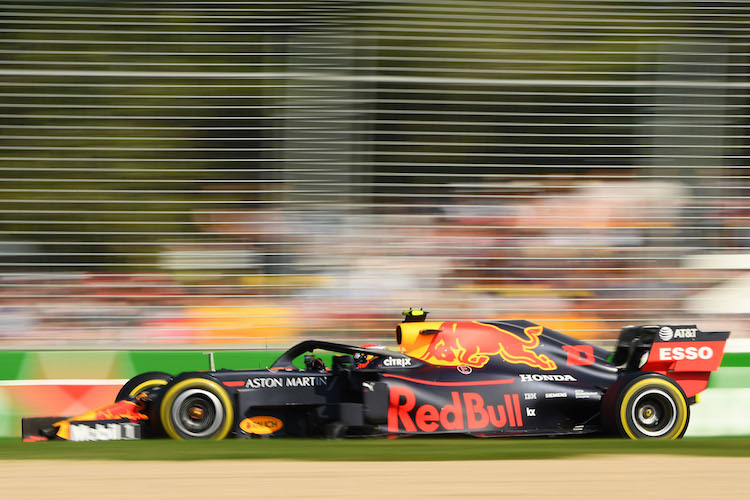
column 480, row 378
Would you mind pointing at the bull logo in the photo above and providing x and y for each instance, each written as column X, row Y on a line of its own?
column 471, row 343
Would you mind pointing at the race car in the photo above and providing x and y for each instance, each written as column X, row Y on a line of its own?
column 478, row 378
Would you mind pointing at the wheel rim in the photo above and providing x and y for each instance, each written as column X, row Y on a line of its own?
column 654, row 413
column 197, row 413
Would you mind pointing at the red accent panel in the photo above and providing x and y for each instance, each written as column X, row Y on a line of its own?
column 580, row 355
column 451, row 384
column 34, row 439
column 691, row 383
column 691, row 356
column 689, row 363
column 234, row 383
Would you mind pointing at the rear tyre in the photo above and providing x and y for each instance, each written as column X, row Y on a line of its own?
column 196, row 408
column 649, row 406
column 142, row 383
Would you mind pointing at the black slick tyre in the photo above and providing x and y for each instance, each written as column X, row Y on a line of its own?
column 196, row 408
column 142, row 383
column 647, row 406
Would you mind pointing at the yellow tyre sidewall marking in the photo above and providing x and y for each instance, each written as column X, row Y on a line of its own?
column 148, row 384
column 672, row 390
column 165, row 412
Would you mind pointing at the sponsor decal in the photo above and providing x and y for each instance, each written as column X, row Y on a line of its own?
column 555, row 395
column 112, row 431
column 464, row 370
column 467, row 411
column 680, row 353
column 579, row 355
column 529, row 395
column 397, row 362
column 531, row 412
column 472, row 343
column 552, row 377
column 685, row 333
column 261, row 425
column 275, row 382
column 581, row 394
column 665, row 333
column 306, row 381
column 264, row 383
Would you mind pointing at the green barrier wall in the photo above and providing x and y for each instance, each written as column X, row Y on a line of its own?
column 41, row 365
column 725, row 409
column 35, row 365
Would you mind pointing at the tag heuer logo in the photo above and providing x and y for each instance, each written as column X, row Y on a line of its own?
column 463, row 369
column 665, row 333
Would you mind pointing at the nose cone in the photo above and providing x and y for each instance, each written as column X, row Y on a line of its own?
column 411, row 341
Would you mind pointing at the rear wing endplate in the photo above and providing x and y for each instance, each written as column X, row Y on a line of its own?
column 636, row 341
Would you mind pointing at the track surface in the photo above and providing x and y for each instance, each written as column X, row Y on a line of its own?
column 350, row 450
column 611, row 477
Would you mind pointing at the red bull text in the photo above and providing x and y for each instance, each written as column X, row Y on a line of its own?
column 467, row 411
column 471, row 343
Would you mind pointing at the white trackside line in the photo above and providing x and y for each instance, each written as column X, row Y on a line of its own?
column 737, row 345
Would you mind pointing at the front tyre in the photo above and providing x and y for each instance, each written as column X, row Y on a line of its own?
column 651, row 406
column 142, row 383
column 196, row 408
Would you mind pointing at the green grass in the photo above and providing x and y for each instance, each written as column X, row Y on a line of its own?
column 422, row 449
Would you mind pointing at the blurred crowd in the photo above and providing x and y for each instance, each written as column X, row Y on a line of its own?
column 584, row 259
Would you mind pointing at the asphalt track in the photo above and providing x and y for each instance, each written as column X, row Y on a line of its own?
column 610, row 477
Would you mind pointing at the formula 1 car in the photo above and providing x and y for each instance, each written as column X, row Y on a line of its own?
column 493, row 378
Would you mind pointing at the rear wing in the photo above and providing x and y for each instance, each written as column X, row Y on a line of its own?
column 682, row 352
